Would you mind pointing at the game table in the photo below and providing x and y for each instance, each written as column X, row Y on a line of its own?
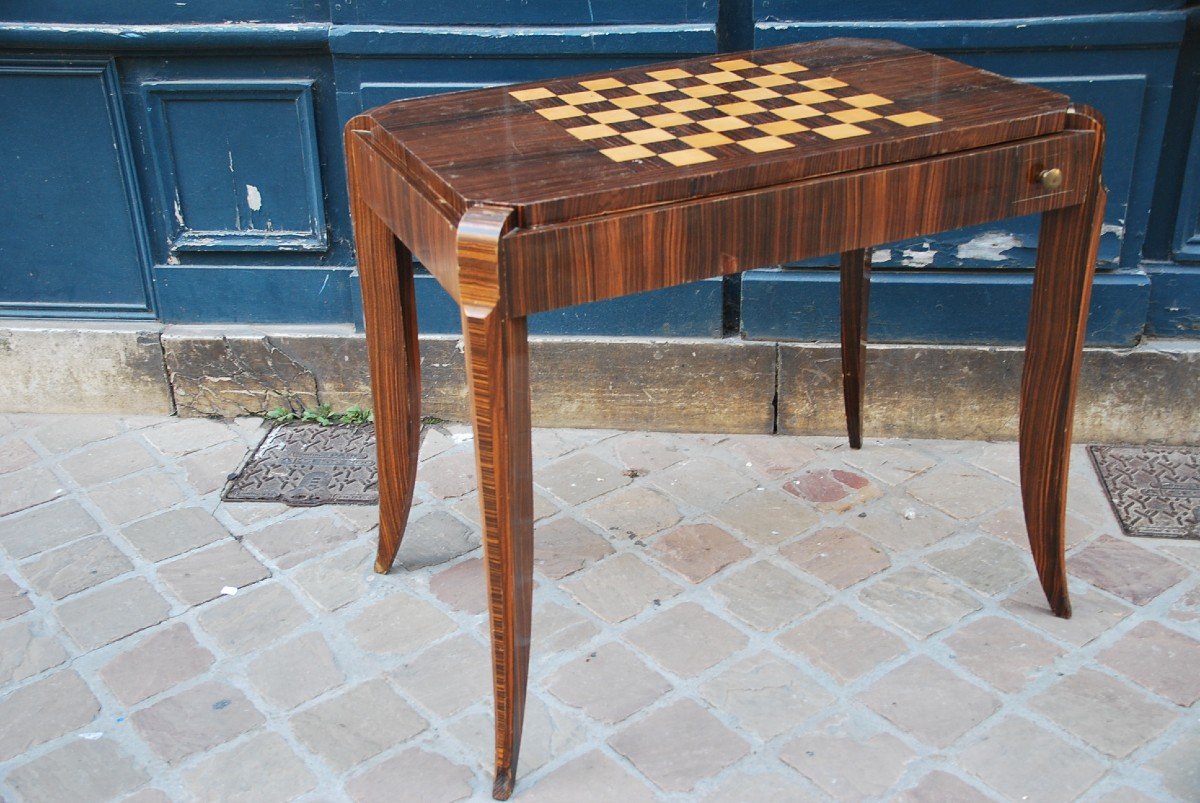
column 532, row 197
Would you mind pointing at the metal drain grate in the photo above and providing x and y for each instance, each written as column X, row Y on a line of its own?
column 1154, row 490
column 310, row 464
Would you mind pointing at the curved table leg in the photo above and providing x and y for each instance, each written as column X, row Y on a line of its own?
column 855, row 293
column 1062, row 286
column 389, row 310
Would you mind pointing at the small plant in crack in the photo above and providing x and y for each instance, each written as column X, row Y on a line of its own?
column 322, row 414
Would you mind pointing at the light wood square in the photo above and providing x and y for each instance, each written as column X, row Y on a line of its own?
column 532, row 94
column 823, row 83
column 688, row 157
column 664, row 120
column 560, row 112
column 854, row 115
column 644, row 135
column 758, row 93
column 744, row 107
column 866, row 101
column 782, row 127
column 652, row 87
column 576, row 98
column 842, row 131
column 910, row 119
column 673, row 74
column 619, row 116
column 686, row 105
column 633, row 101
column 734, row 64
column 813, row 96
column 784, row 67
column 796, row 112
column 624, row 153
column 719, row 77
column 765, row 144
column 705, row 91
column 596, row 131
column 602, row 83
column 771, row 80
column 724, row 124
column 708, row 140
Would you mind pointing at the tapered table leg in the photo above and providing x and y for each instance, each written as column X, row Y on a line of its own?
column 389, row 310
column 855, row 293
column 1062, row 286
column 497, row 358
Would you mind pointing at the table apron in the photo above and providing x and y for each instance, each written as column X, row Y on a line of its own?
column 560, row 265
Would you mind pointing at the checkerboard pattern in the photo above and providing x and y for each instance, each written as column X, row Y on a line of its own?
column 683, row 118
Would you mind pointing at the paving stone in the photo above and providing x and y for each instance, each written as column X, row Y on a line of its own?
column 73, row 568
column 113, row 612
column 363, row 518
column 1186, row 608
column 743, row 787
column 1001, row 459
column 65, row 433
column 929, row 701
column 558, row 629
column 44, row 528
column 1110, row 716
column 297, row 539
column 565, row 546
column 44, row 710
column 336, row 580
column 770, row 456
column 14, row 600
column 703, row 482
column 848, row 767
column 832, row 490
column 295, row 672
column 398, row 624
column 195, row 720
column 208, row 471
column 942, row 787
column 449, row 475
column 124, row 500
column 767, row 597
column 107, row 460
column 250, row 513
column 960, row 491
column 253, row 619
column 449, row 676
column 81, row 771
column 29, row 487
column 917, row 601
column 767, row 517
column 646, row 451
column 767, row 695
column 1023, row 761
column 839, row 642
column 686, row 639
column 413, row 776
column 186, row 435
column 591, row 778
column 609, row 684
column 201, row 576
column 699, row 747
column 173, row 533
column 25, row 652
column 1158, row 659
column 635, row 512
column 892, row 464
column 15, row 454
column 902, row 524
column 619, row 587
column 1122, row 568
column 984, row 565
column 1092, row 613
column 581, row 477
column 158, row 662
column 837, row 555
column 1009, row 523
column 1178, row 766
column 463, row 586
column 697, row 551
column 551, row 443
column 435, row 538
column 468, row 507
column 1002, row 652
column 357, row 724
column 546, row 735
column 263, row 768
column 1126, row 795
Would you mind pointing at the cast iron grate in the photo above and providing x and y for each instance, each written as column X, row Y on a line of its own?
column 306, row 464
column 1154, row 490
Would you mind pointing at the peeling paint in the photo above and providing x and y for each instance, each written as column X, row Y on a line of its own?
column 913, row 258
column 881, row 255
column 253, row 198
column 1114, row 228
column 990, row 246
column 179, row 210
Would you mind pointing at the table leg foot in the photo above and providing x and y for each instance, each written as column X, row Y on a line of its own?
column 855, row 292
column 1062, row 284
column 502, row 789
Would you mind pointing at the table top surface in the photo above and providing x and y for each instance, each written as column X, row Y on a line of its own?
column 575, row 147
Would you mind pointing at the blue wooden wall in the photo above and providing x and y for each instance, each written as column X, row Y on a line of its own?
column 183, row 161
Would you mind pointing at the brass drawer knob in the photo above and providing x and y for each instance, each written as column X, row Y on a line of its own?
column 1051, row 179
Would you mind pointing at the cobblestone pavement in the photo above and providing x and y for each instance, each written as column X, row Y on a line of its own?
column 717, row 618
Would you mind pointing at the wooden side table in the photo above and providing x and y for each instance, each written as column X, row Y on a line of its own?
column 527, row 198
